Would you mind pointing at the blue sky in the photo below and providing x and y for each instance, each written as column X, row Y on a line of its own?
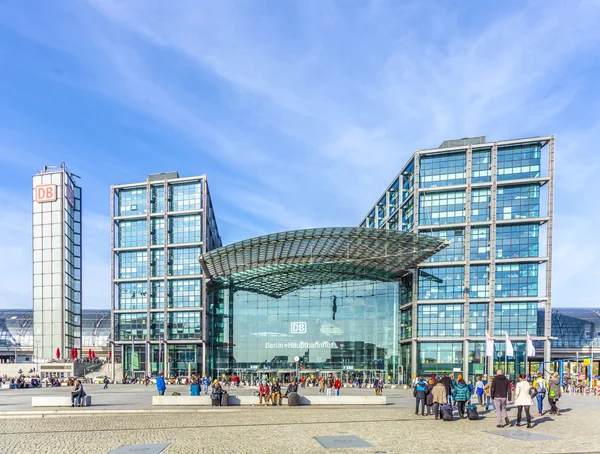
column 300, row 113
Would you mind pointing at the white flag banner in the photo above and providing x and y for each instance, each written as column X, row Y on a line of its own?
column 530, row 347
column 489, row 345
column 510, row 351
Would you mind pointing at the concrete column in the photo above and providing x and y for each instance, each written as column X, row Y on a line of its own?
column 466, row 360
column 413, row 360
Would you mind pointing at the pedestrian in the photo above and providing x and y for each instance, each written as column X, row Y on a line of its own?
column 471, row 390
column 329, row 384
column 420, row 393
column 321, row 386
column 554, row 393
column 337, row 385
column 195, row 387
column 276, row 393
column 447, row 382
column 357, row 383
column 77, row 394
column 429, row 398
column 264, row 392
column 439, row 398
column 106, row 382
column 461, row 395
column 541, row 385
column 487, row 394
column 499, row 391
column 479, row 388
column 381, row 384
column 160, row 384
column 523, row 400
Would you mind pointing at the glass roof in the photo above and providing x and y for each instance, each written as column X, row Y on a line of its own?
column 280, row 263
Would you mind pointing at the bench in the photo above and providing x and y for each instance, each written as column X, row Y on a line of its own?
column 253, row 400
column 57, row 401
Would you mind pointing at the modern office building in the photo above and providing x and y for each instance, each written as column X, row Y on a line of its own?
column 493, row 201
column 56, row 263
column 159, row 229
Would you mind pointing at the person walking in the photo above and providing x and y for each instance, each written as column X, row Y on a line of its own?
column 554, row 393
column 541, row 385
column 461, row 395
column 160, row 384
column 77, row 394
column 276, row 393
column 381, row 385
column 429, row 399
column 106, row 382
column 321, row 385
column 499, row 391
column 376, row 386
column 329, row 384
column 420, row 393
column 479, row 390
column 487, row 394
column 195, row 387
column 439, row 398
column 205, row 383
column 523, row 400
column 337, row 385
column 447, row 382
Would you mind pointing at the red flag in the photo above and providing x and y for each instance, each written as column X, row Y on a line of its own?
column 93, row 354
column 58, row 353
column 90, row 353
column 74, row 353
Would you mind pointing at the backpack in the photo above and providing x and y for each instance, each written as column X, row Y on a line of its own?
column 421, row 387
column 552, row 393
column 533, row 392
column 541, row 386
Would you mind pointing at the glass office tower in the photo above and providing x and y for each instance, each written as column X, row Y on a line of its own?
column 493, row 201
column 159, row 229
column 56, row 263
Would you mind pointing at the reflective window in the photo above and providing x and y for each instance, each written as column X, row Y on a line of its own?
column 157, row 231
column 513, row 241
column 516, row 279
column 393, row 222
column 131, row 201
column 371, row 220
column 185, row 325
column 481, row 166
column 133, row 264
column 454, row 251
column 132, row 233
column 439, row 357
column 519, row 161
column 478, row 319
column 480, row 243
column 132, row 295
column 443, row 170
column 442, row 208
column 440, row 320
column 184, row 261
column 441, row 283
column 185, row 229
column 131, row 326
column 408, row 180
column 157, row 297
column 515, row 319
column 518, row 202
column 185, row 293
column 381, row 214
column 157, row 263
column 406, row 324
column 408, row 215
column 185, row 196
column 479, row 281
column 480, row 205
column 393, row 197
column 476, row 358
column 157, row 326
column 157, row 199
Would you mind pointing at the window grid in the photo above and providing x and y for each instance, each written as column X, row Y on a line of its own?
column 443, row 170
column 513, row 241
column 516, row 319
column 454, row 251
column 518, row 202
column 131, row 201
column 157, row 297
column 157, row 199
column 381, row 211
column 132, row 264
column 480, row 205
column 479, row 281
column 406, row 324
column 393, row 196
column 408, row 216
column 157, row 231
column 132, row 233
column 157, row 325
column 185, row 229
column 157, row 263
column 185, row 293
column 440, row 320
column 478, row 319
column 481, row 166
column 185, row 196
column 519, row 161
column 132, row 295
column 480, row 243
column 185, row 325
column 131, row 326
column 441, row 283
column 442, row 208
column 408, row 180
column 184, row 261
column 516, row 279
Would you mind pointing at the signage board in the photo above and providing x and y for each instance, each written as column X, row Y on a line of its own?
column 45, row 193
column 298, row 327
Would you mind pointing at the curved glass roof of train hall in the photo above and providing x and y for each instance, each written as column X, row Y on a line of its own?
column 280, row 263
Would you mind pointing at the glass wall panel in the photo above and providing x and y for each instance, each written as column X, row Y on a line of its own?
column 157, row 325
column 185, row 196
column 408, row 216
column 518, row 202
column 184, row 261
column 132, row 295
column 515, row 319
column 454, row 251
column 185, row 229
column 481, row 166
column 443, row 170
column 442, row 208
column 132, row 233
column 516, row 279
column 393, row 197
column 157, row 263
column 157, row 297
column 133, row 264
column 381, row 211
column 405, row 363
column 157, row 199
column 479, row 281
column 513, row 241
column 408, row 180
column 131, row 201
column 406, row 324
column 157, row 231
column 441, row 283
column 476, row 360
column 480, row 243
column 185, row 325
column 513, row 365
column 519, row 161
column 480, row 205
column 440, row 320
column 478, row 319
column 131, row 325
column 185, row 293
column 439, row 357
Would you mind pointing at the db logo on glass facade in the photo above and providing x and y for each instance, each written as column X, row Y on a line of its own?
column 45, row 193
column 298, row 327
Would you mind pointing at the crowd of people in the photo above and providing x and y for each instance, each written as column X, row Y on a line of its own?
column 436, row 392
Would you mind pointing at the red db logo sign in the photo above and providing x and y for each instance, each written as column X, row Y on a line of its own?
column 45, row 193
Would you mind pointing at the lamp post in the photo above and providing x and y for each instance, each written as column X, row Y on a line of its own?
column 591, row 365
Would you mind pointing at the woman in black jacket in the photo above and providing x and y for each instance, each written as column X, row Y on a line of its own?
column 429, row 398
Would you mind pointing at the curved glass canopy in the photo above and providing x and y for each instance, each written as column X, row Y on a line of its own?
column 280, row 263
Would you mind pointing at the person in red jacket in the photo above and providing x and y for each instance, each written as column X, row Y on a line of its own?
column 337, row 385
column 264, row 392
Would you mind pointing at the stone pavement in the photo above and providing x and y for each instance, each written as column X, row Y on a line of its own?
column 390, row 429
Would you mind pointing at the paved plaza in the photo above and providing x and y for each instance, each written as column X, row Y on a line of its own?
column 123, row 416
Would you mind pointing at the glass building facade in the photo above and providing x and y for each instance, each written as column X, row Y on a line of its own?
column 493, row 202
column 159, row 229
column 56, row 216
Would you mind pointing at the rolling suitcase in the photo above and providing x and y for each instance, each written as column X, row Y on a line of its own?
column 472, row 413
column 447, row 412
column 293, row 399
column 216, row 400
column 224, row 399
